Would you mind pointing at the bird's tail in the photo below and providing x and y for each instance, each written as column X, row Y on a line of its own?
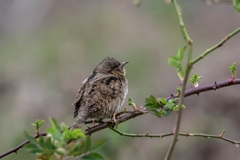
column 78, row 122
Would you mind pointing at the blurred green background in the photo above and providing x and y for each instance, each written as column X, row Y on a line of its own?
column 48, row 47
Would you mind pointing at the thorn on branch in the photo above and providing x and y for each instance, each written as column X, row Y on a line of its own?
column 220, row 45
column 227, row 37
column 146, row 134
column 215, row 86
column 231, row 81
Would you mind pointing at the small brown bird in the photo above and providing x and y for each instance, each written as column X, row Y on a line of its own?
column 102, row 93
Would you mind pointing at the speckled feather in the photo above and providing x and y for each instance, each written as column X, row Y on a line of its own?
column 102, row 94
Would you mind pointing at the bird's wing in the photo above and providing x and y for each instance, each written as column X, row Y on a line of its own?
column 96, row 93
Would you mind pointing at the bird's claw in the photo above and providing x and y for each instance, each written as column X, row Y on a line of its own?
column 114, row 120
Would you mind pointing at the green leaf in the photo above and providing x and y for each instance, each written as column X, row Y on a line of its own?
column 41, row 122
column 232, row 69
column 173, row 62
column 31, row 146
column 223, row 131
column 236, row 4
column 130, row 102
column 154, row 101
column 152, row 106
column 93, row 156
column 159, row 114
column 61, row 151
column 34, row 151
column 49, row 144
column 41, row 142
column 180, row 74
column 55, row 130
column 181, row 53
column 76, row 150
column 168, row 112
column 73, row 134
column 30, row 138
column 57, row 135
column 175, row 108
column 55, row 124
column 98, row 144
column 87, row 145
column 79, row 133
column 175, row 58
column 195, row 78
column 151, row 102
column 178, row 90
column 163, row 101
column 38, row 123
column 153, row 111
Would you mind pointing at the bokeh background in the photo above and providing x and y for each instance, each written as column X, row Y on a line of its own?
column 48, row 47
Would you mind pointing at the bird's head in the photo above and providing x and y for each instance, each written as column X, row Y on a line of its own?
column 111, row 66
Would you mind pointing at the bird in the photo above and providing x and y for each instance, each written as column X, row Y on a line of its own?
column 102, row 94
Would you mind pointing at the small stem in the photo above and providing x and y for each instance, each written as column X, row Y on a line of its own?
column 215, row 46
column 15, row 149
column 180, row 103
column 132, row 135
column 181, row 23
column 185, row 79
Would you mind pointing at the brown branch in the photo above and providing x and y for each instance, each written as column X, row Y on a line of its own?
column 15, row 149
column 132, row 135
column 214, row 86
column 127, row 116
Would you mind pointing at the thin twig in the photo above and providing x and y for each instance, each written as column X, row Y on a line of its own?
column 89, row 131
column 132, row 135
column 214, row 86
column 15, row 149
column 215, row 46
column 181, row 23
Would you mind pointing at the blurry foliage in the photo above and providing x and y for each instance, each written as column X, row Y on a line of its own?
column 56, row 147
column 195, row 79
column 232, row 69
column 236, row 4
column 160, row 106
column 176, row 61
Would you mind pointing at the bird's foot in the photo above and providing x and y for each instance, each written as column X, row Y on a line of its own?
column 114, row 120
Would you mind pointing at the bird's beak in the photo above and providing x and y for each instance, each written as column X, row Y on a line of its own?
column 123, row 64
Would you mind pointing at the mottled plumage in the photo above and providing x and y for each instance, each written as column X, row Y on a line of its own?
column 102, row 93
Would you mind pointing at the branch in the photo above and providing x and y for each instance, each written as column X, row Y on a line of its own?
column 216, row 46
column 181, row 23
column 214, row 86
column 123, row 118
column 20, row 146
column 185, row 79
column 180, row 134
